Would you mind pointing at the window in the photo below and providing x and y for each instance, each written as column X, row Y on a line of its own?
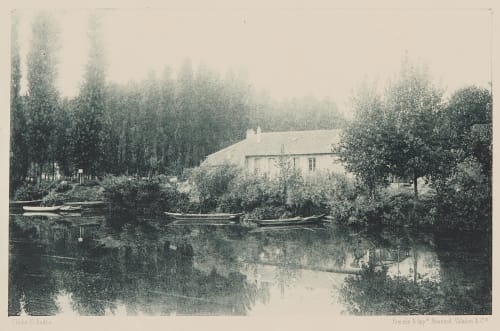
column 312, row 163
column 295, row 163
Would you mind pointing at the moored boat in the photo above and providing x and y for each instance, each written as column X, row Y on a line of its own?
column 85, row 203
column 204, row 217
column 314, row 219
column 41, row 208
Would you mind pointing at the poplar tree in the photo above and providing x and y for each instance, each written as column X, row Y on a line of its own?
column 89, row 131
column 42, row 92
column 18, row 145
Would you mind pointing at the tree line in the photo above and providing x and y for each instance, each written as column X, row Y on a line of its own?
column 159, row 125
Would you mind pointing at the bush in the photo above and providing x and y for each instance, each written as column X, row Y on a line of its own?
column 210, row 183
column 464, row 198
column 257, row 196
column 141, row 196
column 63, row 187
column 33, row 191
column 321, row 193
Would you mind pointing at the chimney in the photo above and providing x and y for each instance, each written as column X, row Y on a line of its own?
column 259, row 131
column 250, row 134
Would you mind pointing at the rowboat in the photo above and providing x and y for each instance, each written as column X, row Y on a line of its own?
column 41, row 209
column 85, row 203
column 314, row 219
column 204, row 217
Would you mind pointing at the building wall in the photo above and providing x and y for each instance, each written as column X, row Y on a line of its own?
column 319, row 162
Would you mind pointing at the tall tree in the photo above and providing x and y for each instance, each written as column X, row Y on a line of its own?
column 362, row 144
column 89, row 131
column 399, row 138
column 466, row 125
column 412, row 104
column 185, row 114
column 19, row 161
column 42, row 92
column 167, row 122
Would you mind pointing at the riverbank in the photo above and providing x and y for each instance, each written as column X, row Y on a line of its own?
column 229, row 189
column 59, row 192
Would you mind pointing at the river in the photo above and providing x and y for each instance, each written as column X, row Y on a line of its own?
column 91, row 265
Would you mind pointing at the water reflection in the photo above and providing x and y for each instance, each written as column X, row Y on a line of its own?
column 98, row 266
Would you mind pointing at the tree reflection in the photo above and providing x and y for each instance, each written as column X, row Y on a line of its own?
column 141, row 267
column 147, row 268
column 32, row 287
column 373, row 292
column 417, row 290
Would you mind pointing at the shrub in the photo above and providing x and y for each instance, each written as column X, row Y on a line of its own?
column 464, row 198
column 257, row 195
column 141, row 196
column 63, row 187
column 33, row 191
column 210, row 183
column 320, row 193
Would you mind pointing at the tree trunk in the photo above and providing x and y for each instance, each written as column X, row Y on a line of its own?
column 415, row 264
column 415, row 197
column 415, row 187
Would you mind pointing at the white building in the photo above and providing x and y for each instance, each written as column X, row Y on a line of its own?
column 307, row 151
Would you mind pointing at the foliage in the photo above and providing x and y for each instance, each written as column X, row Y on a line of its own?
column 319, row 194
column 63, row 187
column 210, row 183
column 89, row 126
column 463, row 181
column 128, row 196
column 397, row 136
column 464, row 198
column 373, row 292
column 19, row 161
column 258, row 196
column 362, row 146
column 29, row 191
column 305, row 113
column 43, row 95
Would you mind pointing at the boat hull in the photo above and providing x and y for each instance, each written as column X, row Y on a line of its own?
column 291, row 221
column 85, row 203
column 220, row 217
column 41, row 209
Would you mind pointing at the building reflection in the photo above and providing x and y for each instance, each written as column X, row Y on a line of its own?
column 148, row 268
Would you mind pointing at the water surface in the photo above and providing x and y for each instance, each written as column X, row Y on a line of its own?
column 91, row 265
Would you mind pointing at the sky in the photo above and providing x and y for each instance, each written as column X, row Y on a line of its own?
column 287, row 52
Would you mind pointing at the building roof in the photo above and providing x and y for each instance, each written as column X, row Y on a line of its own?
column 270, row 144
